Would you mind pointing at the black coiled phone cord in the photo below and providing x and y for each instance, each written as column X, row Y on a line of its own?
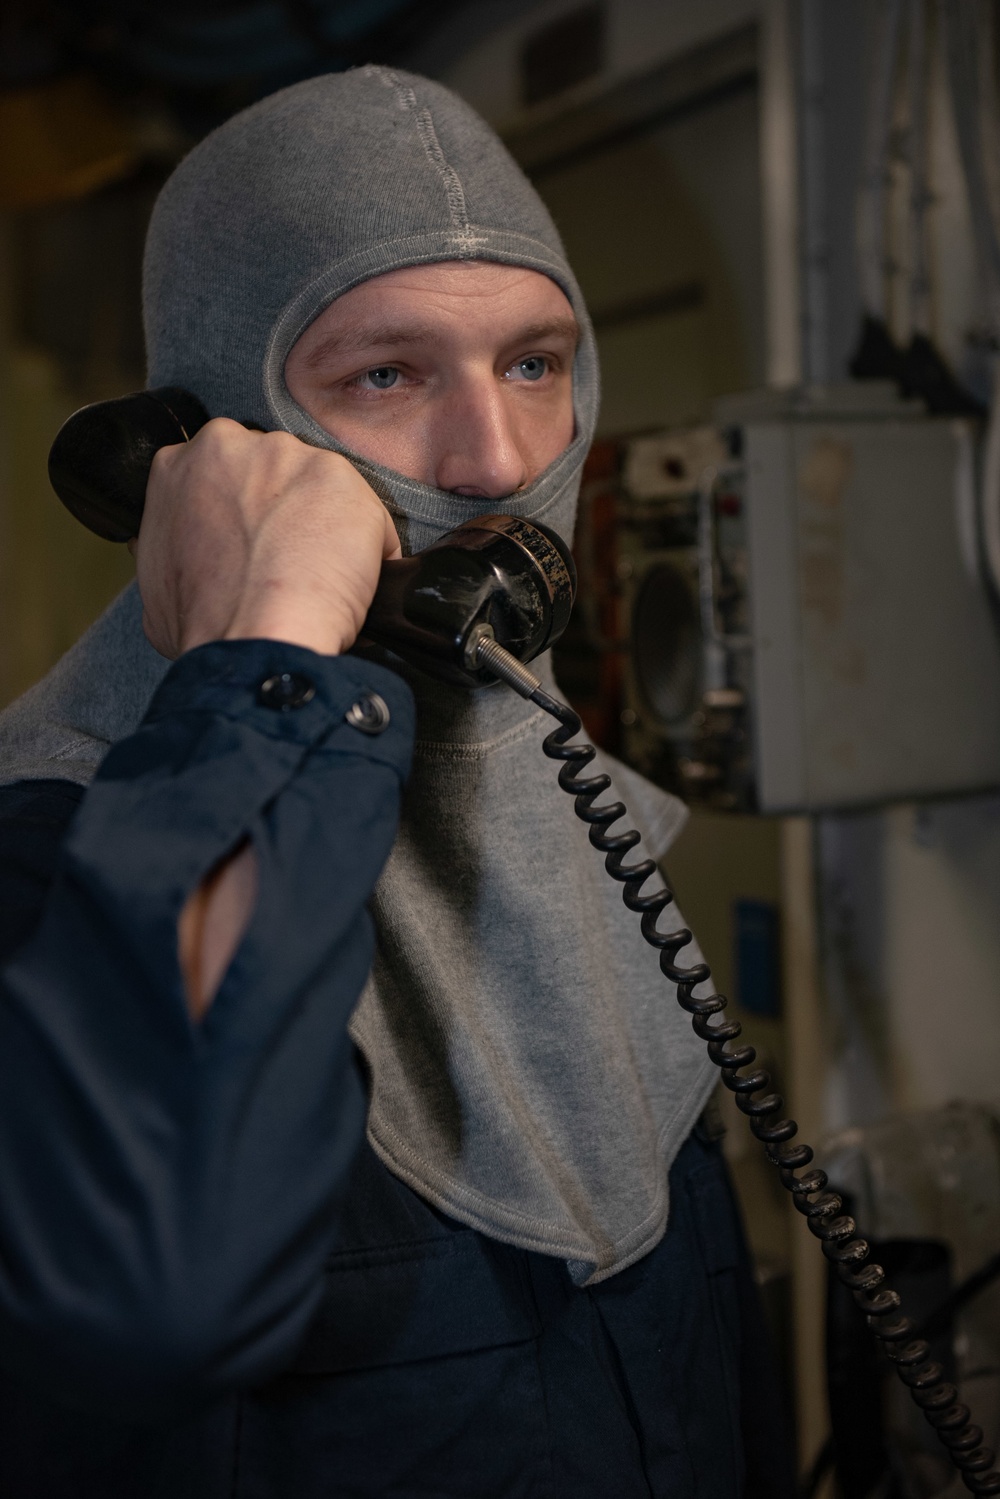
column 836, row 1231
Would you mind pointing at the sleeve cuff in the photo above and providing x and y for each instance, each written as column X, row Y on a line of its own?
column 291, row 693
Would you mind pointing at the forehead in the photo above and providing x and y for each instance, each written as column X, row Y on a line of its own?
column 443, row 299
column 461, row 278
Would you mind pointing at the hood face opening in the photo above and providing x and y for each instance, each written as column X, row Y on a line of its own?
column 412, row 503
column 410, row 498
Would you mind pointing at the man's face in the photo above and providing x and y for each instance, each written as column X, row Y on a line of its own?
column 457, row 374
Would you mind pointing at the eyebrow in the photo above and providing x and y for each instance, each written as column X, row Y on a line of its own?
column 394, row 335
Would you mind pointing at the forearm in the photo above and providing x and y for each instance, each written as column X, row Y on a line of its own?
column 213, row 919
column 171, row 1190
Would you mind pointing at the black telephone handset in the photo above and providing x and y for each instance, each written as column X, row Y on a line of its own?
column 498, row 578
column 475, row 607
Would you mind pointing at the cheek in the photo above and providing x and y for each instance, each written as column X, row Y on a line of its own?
column 550, row 428
column 395, row 435
column 385, row 433
column 567, row 419
column 389, row 439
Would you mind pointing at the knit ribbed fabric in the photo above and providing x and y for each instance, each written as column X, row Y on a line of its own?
column 531, row 1073
column 310, row 192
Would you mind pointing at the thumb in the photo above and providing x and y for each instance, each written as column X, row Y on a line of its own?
column 392, row 551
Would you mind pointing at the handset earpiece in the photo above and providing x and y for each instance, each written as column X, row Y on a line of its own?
column 99, row 463
column 497, row 578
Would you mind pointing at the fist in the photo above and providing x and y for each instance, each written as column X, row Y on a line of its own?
column 257, row 535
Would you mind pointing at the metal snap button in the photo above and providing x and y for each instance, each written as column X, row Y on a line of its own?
column 285, row 690
column 370, row 714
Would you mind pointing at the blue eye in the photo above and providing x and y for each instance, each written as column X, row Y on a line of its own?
column 382, row 378
column 532, row 368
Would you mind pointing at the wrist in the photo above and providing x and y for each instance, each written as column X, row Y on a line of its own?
column 315, row 628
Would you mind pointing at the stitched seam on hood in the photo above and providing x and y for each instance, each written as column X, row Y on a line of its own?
column 466, row 239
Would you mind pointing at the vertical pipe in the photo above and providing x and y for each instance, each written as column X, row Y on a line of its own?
column 780, row 191
column 806, row 1071
column 813, row 196
column 920, row 284
column 873, row 207
column 782, row 186
column 968, row 34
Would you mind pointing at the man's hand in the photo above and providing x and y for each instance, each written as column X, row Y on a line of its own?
column 251, row 535
column 256, row 535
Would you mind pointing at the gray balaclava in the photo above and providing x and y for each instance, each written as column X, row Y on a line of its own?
column 531, row 1073
column 305, row 195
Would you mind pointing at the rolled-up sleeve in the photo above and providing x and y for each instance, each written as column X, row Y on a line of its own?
column 169, row 1191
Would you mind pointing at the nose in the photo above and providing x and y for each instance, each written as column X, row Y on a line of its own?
column 478, row 452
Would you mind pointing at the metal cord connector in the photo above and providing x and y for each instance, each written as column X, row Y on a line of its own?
column 505, row 666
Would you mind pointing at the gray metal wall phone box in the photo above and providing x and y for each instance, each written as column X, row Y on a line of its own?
column 876, row 663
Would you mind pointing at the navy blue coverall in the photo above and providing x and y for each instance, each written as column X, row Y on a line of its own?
column 210, row 1287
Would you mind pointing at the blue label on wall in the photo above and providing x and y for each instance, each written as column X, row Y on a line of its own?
column 757, row 956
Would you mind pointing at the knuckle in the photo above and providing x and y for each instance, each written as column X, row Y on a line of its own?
column 216, row 438
column 162, row 460
column 281, row 443
column 220, row 432
column 281, row 450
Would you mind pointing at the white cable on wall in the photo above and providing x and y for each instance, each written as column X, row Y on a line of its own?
column 919, row 88
column 967, row 26
column 968, row 31
column 873, row 235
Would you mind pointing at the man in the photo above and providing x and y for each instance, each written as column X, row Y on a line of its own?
column 286, row 1211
